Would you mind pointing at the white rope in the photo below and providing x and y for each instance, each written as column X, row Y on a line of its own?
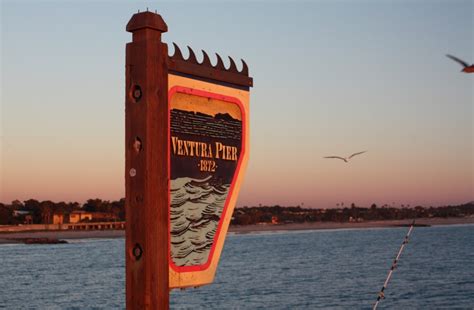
column 394, row 265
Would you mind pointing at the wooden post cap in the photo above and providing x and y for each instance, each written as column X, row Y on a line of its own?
column 146, row 20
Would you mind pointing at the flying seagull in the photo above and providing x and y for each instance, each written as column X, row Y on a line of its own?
column 467, row 68
column 346, row 159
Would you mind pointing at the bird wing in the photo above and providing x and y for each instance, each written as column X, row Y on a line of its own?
column 461, row 62
column 337, row 157
column 355, row 154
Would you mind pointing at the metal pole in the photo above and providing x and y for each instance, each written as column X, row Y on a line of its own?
column 146, row 164
column 394, row 265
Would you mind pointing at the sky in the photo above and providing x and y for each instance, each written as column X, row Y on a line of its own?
column 330, row 78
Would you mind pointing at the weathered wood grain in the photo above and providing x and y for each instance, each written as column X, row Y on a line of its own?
column 147, row 192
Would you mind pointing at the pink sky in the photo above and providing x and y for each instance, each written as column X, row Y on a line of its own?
column 379, row 81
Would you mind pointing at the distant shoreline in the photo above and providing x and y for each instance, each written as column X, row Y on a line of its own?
column 15, row 237
column 349, row 225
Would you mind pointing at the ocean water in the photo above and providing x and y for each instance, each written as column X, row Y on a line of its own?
column 331, row 269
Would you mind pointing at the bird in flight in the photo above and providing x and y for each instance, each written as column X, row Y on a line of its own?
column 467, row 68
column 346, row 159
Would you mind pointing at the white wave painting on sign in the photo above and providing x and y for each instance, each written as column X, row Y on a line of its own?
column 196, row 208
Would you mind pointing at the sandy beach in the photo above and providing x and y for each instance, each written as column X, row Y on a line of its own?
column 16, row 237
column 361, row 225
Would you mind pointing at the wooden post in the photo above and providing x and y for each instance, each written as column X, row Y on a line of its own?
column 146, row 164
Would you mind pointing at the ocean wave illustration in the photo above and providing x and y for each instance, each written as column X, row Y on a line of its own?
column 195, row 211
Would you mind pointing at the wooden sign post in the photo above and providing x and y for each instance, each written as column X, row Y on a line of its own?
column 186, row 140
column 146, row 164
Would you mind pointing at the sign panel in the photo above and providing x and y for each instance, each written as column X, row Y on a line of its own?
column 208, row 141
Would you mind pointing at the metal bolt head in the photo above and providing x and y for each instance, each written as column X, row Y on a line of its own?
column 137, row 251
column 137, row 93
column 133, row 172
column 137, row 145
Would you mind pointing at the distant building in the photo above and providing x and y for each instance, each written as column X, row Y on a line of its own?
column 28, row 219
column 274, row 219
column 23, row 217
column 79, row 216
column 17, row 213
column 58, row 218
column 82, row 216
column 104, row 217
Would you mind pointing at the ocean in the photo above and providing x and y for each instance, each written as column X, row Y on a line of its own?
column 326, row 269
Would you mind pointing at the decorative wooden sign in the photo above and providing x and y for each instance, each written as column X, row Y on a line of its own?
column 186, row 151
column 208, row 150
column 208, row 154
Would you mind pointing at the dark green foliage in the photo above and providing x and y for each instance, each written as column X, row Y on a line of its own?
column 264, row 214
column 6, row 215
column 42, row 212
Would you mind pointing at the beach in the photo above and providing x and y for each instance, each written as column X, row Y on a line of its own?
column 350, row 225
column 17, row 237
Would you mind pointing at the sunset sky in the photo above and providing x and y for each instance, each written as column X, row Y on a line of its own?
column 331, row 78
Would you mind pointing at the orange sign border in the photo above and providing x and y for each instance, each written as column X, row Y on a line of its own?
column 233, row 100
